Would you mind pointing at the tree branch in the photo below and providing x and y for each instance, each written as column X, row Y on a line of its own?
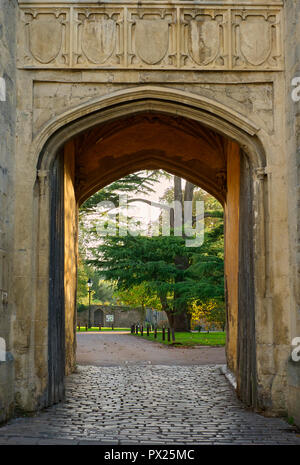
column 151, row 203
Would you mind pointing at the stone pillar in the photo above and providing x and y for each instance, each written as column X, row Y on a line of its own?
column 7, row 153
column 232, row 253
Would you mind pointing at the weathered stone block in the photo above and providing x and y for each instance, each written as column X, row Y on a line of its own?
column 6, row 388
column 293, row 371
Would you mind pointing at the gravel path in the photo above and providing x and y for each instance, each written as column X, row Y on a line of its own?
column 110, row 349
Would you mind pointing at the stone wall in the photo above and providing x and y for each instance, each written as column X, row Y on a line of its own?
column 292, row 42
column 124, row 317
column 8, row 11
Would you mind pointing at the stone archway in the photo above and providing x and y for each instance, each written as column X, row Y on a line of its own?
column 56, row 89
column 98, row 317
column 193, row 137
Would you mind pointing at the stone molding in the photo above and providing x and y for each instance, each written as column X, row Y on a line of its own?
column 143, row 98
column 157, row 35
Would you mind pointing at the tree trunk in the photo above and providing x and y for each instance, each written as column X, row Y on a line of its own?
column 189, row 191
column 176, row 212
column 179, row 321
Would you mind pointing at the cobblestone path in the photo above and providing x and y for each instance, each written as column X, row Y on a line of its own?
column 148, row 404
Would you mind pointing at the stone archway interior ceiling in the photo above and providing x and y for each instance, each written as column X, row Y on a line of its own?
column 146, row 99
column 150, row 140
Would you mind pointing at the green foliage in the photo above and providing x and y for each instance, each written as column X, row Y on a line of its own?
column 82, row 278
column 138, row 296
column 101, row 291
column 81, row 308
column 218, row 315
column 213, row 209
column 207, row 269
column 140, row 182
column 150, row 262
column 158, row 271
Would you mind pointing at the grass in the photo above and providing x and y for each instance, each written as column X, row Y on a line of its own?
column 103, row 328
column 185, row 339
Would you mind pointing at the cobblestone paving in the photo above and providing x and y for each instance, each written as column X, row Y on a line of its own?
column 148, row 404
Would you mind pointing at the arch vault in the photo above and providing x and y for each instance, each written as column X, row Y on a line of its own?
column 151, row 128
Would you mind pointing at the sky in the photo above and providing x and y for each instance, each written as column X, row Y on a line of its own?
column 143, row 211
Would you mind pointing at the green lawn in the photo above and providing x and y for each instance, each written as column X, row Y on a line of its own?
column 189, row 339
column 105, row 328
column 181, row 338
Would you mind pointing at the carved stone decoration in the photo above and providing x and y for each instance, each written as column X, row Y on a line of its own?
column 204, row 38
column 261, row 173
column 98, row 37
column 204, row 41
column 152, row 37
column 45, row 37
column 160, row 35
column 256, row 38
column 42, row 177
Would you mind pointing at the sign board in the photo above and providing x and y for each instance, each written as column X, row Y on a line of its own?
column 109, row 318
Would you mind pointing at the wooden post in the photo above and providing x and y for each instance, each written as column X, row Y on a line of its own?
column 163, row 333
column 169, row 335
column 173, row 334
column 142, row 330
column 155, row 332
column 148, row 330
column 86, row 327
column 99, row 327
